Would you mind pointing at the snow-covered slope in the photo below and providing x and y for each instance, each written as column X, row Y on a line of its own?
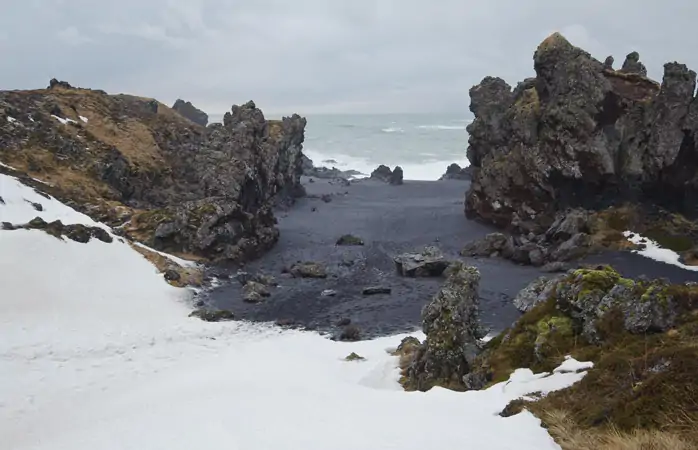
column 98, row 352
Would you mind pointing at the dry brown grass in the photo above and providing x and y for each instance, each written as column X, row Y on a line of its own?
column 188, row 276
column 571, row 437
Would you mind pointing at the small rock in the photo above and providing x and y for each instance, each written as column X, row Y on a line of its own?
column 313, row 209
column 285, row 322
column 37, row 206
column 328, row 293
column 555, row 266
column 349, row 239
column 326, row 198
column 2, row 200
column 254, row 292
column 350, row 333
column 8, row 226
column 354, row 357
column 308, row 270
column 209, row 315
column 376, row 290
column 344, row 322
column 172, row 275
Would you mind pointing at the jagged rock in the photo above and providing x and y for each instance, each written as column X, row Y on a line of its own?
column 608, row 63
column 453, row 333
column 54, row 83
column 492, row 244
column 376, row 290
column 588, row 295
column 75, row 232
column 632, row 64
column 396, row 176
column 254, row 292
column 581, row 136
column 186, row 109
column 429, row 263
column 172, row 275
column 328, row 293
column 536, row 292
column 209, row 315
column 205, row 191
column 349, row 239
column 456, row 172
column 308, row 270
column 382, row 173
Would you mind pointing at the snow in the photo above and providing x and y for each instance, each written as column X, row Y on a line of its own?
column 18, row 210
column 62, row 120
column 572, row 365
column 83, row 118
column 180, row 261
column 6, row 166
column 98, row 351
column 11, row 119
column 654, row 251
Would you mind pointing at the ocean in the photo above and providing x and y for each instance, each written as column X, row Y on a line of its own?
column 422, row 144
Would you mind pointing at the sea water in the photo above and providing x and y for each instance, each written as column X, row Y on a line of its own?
column 422, row 144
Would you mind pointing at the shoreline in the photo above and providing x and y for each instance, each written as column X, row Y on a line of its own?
column 391, row 220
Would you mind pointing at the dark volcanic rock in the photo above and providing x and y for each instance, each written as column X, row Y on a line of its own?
column 54, row 83
column 632, row 64
column 579, row 135
column 453, row 333
column 608, row 63
column 429, row 263
column 349, row 239
column 396, row 176
column 186, row 109
column 376, row 290
column 178, row 186
column 382, row 173
column 456, row 172
column 208, row 315
column 308, row 270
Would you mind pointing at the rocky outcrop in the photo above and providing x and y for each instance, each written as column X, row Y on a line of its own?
column 581, row 135
column 135, row 164
column 383, row 173
column 186, row 109
column 453, row 333
column 456, row 172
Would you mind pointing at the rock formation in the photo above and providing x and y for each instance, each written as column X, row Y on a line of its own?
column 135, row 164
column 581, row 135
column 456, row 172
column 186, row 109
column 383, row 173
column 453, row 332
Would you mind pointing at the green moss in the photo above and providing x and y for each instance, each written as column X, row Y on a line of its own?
column 354, row 357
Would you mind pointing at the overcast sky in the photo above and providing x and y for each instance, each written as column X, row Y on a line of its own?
column 316, row 56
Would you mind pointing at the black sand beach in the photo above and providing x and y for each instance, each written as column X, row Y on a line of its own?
column 391, row 220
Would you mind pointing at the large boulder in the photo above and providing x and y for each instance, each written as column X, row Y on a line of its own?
column 430, row 262
column 453, row 333
column 186, row 109
column 581, row 135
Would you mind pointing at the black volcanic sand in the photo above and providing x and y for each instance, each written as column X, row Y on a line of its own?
column 390, row 220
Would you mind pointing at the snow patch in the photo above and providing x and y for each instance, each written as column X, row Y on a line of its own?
column 84, row 119
column 18, row 209
column 94, row 329
column 11, row 119
column 572, row 365
column 180, row 261
column 62, row 120
column 654, row 251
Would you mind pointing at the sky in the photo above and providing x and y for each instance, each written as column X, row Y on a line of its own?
column 322, row 56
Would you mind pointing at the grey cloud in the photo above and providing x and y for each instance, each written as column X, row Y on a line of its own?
column 316, row 56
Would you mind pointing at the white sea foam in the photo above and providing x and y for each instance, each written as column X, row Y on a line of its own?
column 393, row 130
column 441, row 127
column 431, row 169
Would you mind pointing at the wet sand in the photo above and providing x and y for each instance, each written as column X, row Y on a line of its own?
column 390, row 220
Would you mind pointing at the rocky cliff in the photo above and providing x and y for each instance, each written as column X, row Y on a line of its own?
column 191, row 112
column 134, row 163
column 582, row 135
